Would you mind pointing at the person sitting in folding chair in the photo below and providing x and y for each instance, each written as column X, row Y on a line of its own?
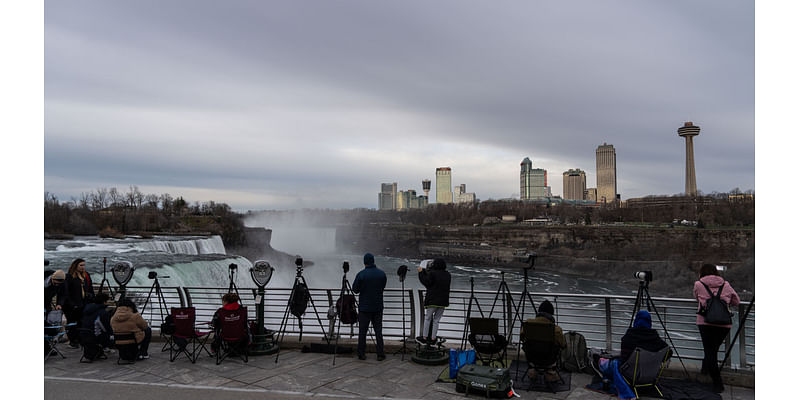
column 641, row 336
column 544, row 317
column 231, row 331
column 96, row 320
column 128, row 320
column 487, row 341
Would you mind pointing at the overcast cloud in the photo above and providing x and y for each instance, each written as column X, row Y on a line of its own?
column 268, row 104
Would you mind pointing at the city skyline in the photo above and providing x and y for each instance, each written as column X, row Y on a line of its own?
column 255, row 111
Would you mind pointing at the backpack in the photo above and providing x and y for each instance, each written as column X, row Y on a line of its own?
column 346, row 308
column 484, row 379
column 299, row 300
column 168, row 327
column 715, row 310
column 574, row 357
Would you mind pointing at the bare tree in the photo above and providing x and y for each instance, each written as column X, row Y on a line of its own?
column 115, row 197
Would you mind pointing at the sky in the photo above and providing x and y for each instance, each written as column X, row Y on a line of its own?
column 301, row 104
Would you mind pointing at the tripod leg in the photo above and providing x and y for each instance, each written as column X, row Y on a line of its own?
column 742, row 321
column 650, row 303
column 282, row 328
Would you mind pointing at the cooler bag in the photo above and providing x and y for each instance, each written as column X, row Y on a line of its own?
column 485, row 380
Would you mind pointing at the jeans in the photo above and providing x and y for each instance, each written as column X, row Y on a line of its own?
column 432, row 317
column 712, row 337
column 364, row 319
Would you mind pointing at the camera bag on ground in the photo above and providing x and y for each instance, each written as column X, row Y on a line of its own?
column 168, row 326
column 485, row 380
column 346, row 307
column 716, row 310
column 574, row 357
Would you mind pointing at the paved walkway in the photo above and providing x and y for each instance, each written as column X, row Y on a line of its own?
column 296, row 375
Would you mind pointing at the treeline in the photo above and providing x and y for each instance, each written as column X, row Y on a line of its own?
column 717, row 210
column 110, row 212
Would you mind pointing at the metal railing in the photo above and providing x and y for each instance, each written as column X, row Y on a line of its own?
column 602, row 319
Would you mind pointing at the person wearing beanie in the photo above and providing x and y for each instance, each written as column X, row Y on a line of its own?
column 54, row 291
column 369, row 284
column 545, row 315
column 436, row 280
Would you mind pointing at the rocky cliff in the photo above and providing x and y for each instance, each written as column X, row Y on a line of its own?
column 610, row 252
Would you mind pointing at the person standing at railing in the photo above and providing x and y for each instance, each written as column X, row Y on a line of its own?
column 436, row 280
column 79, row 293
column 712, row 334
column 369, row 285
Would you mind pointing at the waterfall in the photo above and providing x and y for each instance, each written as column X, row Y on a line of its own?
column 212, row 245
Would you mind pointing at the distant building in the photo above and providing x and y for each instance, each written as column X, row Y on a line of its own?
column 606, row 174
column 426, row 187
column 443, row 184
column 409, row 199
column 590, row 194
column 387, row 198
column 574, row 184
column 688, row 131
column 460, row 194
column 532, row 182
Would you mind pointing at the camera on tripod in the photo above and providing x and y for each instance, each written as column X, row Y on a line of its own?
column 232, row 267
column 530, row 260
column 152, row 275
column 346, row 266
column 646, row 276
column 298, row 261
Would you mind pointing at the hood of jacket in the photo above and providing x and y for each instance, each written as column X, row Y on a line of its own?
column 713, row 281
column 123, row 314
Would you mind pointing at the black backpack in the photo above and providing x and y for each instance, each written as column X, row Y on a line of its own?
column 299, row 300
column 574, row 357
column 346, row 308
column 715, row 310
column 168, row 327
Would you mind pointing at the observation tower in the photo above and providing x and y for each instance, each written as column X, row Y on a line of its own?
column 689, row 131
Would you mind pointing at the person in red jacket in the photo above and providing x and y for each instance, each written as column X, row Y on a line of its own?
column 711, row 334
column 230, row 302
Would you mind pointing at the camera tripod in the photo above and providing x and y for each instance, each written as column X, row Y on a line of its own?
column 742, row 321
column 105, row 283
column 469, row 312
column 346, row 290
column 506, row 293
column 232, row 281
column 520, row 307
column 643, row 299
column 401, row 272
column 162, row 302
column 299, row 280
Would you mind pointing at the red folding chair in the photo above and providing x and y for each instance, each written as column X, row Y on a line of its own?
column 186, row 334
column 232, row 336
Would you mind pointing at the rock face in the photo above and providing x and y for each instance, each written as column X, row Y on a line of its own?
column 673, row 254
column 258, row 248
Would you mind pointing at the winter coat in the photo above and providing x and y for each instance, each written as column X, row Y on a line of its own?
column 75, row 296
column 57, row 291
column 91, row 314
column 126, row 321
column 369, row 285
column 713, row 282
column 437, row 283
column 545, row 318
column 646, row 338
column 215, row 322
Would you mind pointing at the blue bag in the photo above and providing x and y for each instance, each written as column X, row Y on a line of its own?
column 460, row 358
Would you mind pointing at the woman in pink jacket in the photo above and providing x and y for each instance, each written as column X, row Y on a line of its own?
column 712, row 334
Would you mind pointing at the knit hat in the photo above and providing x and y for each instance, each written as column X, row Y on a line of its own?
column 643, row 320
column 546, row 307
column 369, row 259
column 58, row 275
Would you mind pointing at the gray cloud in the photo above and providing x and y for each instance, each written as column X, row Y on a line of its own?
column 296, row 99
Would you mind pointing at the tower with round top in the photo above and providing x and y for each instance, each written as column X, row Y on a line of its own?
column 688, row 131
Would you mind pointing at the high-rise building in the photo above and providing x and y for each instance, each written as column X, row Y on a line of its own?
column 590, row 194
column 574, row 184
column 532, row 182
column 387, row 198
column 688, row 132
column 460, row 194
column 525, row 191
column 443, row 182
column 606, row 174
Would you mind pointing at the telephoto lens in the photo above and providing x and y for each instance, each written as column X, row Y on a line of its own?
column 644, row 275
column 232, row 266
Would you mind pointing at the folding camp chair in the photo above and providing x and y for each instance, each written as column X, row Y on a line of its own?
column 186, row 334
column 54, row 331
column 541, row 351
column 487, row 341
column 643, row 368
column 231, row 335
column 126, row 353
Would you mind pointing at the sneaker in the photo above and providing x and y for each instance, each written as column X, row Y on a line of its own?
column 421, row 340
column 143, row 356
column 381, row 357
column 362, row 357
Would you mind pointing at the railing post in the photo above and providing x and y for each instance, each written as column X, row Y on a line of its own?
column 608, row 325
column 411, row 310
column 742, row 337
column 187, row 295
column 727, row 346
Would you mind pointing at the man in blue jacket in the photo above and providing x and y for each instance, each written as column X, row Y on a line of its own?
column 369, row 285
